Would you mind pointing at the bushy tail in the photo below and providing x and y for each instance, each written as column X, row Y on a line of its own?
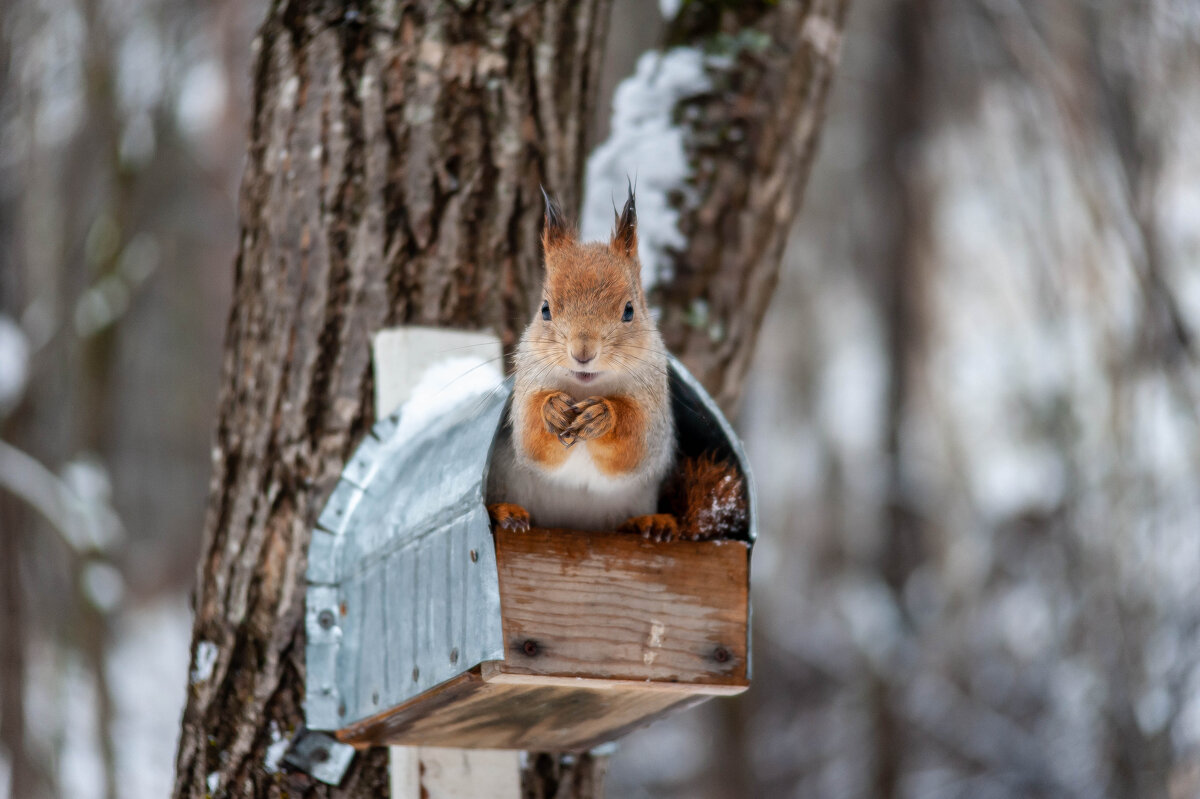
column 708, row 497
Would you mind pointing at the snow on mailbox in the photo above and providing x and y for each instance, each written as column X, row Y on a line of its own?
column 426, row 628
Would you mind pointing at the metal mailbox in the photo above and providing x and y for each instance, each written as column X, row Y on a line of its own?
column 409, row 636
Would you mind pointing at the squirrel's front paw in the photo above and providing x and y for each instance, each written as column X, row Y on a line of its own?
column 594, row 418
column 508, row 516
column 653, row 526
column 558, row 413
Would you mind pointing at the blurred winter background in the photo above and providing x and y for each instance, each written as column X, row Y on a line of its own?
column 974, row 413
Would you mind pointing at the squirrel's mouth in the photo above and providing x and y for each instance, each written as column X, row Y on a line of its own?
column 584, row 377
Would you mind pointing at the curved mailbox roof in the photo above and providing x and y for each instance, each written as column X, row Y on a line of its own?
column 403, row 590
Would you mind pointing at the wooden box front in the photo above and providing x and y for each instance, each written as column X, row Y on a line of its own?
column 604, row 632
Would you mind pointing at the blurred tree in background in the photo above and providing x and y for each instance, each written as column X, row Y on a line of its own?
column 972, row 405
column 120, row 140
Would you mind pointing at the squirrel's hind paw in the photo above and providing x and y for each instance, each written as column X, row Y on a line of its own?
column 508, row 516
column 653, row 527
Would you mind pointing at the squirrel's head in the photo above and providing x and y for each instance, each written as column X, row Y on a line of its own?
column 593, row 323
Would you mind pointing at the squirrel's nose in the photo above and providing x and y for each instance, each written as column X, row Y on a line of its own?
column 583, row 356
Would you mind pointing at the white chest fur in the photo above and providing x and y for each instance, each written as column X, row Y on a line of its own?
column 575, row 495
column 579, row 470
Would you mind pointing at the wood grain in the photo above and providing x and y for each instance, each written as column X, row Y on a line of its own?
column 614, row 606
column 604, row 633
column 469, row 712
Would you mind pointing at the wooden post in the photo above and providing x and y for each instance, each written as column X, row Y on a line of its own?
column 402, row 356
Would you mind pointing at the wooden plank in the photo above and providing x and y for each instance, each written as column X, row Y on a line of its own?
column 604, row 632
column 438, row 773
column 471, row 713
column 614, row 606
column 494, row 672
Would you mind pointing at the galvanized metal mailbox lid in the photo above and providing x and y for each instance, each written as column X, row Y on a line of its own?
column 404, row 588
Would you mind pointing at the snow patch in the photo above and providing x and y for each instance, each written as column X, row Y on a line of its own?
column 103, row 585
column 88, row 480
column 146, row 668
column 648, row 145
column 14, row 363
column 206, row 659
column 201, row 98
column 275, row 750
column 445, row 385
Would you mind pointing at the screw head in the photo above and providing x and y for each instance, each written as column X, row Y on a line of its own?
column 453, row 656
column 721, row 655
column 530, row 647
column 325, row 619
column 416, row 673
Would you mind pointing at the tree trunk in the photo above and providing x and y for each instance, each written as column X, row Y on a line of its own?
column 751, row 143
column 902, row 110
column 392, row 178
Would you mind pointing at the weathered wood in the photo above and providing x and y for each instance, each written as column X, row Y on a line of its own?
column 605, row 632
column 494, row 672
column 438, row 773
column 613, row 605
column 471, row 712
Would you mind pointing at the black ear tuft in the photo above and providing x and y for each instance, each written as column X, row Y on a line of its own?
column 624, row 238
column 556, row 229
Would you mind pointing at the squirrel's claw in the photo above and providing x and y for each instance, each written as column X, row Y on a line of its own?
column 652, row 527
column 508, row 516
column 594, row 418
column 567, row 438
column 558, row 413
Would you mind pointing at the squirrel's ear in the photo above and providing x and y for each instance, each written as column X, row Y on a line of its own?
column 555, row 231
column 624, row 237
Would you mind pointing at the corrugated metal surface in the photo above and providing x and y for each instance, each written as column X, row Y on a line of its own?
column 403, row 592
column 403, row 588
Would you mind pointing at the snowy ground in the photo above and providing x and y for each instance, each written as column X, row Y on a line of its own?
column 148, row 671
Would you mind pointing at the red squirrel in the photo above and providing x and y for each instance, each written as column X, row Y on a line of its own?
column 590, row 436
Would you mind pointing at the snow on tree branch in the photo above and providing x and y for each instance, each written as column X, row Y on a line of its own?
column 646, row 144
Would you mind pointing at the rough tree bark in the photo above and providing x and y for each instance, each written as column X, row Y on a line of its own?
column 395, row 155
column 751, row 143
column 393, row 170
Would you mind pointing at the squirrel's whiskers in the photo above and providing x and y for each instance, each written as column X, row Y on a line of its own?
column 590, row 435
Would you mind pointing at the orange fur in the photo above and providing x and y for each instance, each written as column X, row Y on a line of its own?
column 621, row 449
column 709, row 498
column 590, row 284
column 591, row 376
column 541, row 442
column 507, row 516
column 652, row 526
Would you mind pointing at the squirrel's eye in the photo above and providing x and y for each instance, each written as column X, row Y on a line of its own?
column 546, row 310
column 628, row 315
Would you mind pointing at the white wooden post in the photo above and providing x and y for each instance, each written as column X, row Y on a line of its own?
column 402, row 356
